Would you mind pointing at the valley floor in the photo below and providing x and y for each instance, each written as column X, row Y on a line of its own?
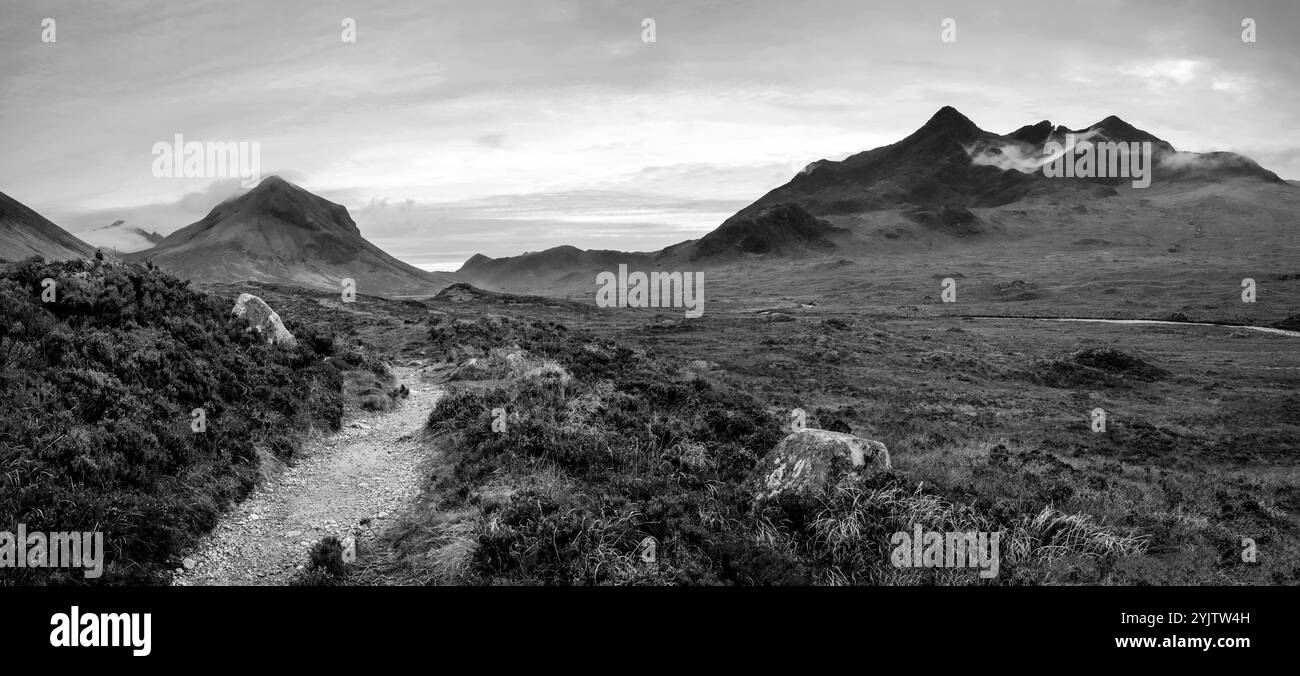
column 1198, row 456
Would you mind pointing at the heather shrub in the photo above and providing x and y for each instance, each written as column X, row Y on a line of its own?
column 100, row 387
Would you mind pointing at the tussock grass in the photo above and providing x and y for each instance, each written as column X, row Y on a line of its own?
column 1051, row 535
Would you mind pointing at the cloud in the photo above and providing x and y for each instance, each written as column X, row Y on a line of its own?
column 1164, row 72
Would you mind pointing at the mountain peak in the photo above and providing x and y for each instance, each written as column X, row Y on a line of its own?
column 1114, row 123
column 1033, row 133
column 474, row 261
column 947, row 123
column 948, row 117
column 274, row 184
column 287, row 203
column 1117, row 129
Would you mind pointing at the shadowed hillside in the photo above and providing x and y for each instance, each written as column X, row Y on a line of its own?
column 25, row 233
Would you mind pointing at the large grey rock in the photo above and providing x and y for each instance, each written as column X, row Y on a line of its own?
column 263, row 319
column 813, row 461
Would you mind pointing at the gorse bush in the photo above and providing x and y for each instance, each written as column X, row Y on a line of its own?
column 99, row 386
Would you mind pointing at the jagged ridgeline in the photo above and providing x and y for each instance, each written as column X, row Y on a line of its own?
column 102, row 367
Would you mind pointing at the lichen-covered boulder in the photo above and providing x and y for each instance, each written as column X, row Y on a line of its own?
column 263, row 319
column 813, row 461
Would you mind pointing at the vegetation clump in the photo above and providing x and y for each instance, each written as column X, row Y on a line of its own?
column 138, row 407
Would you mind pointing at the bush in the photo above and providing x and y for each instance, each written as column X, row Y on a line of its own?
column 99, row 388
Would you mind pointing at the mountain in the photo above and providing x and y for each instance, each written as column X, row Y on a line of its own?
column 949, row 181
column 520, row 273
column 930, row 167
column 951, row 163
column 281, row 233
column 782, row 229
column 120, row 237
column 25, row 233
column 151, row 237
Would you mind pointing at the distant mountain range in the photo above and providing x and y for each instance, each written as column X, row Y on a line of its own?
column 924, row 190
column 947, row 182
column 25, row 233
column 280, row 233
column 950, row 162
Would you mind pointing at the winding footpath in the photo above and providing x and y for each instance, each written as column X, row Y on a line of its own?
column 355, row 481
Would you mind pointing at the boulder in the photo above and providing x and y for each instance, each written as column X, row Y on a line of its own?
column 263, row 319
column 813, row 461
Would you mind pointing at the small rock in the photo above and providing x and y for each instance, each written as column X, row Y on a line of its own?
column 189, row 563
column 382, row 515
column 292, row 533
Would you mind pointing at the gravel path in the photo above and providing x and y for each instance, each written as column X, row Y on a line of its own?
column 355, row 481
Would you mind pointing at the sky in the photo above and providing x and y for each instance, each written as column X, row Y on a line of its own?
column 453, row 127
